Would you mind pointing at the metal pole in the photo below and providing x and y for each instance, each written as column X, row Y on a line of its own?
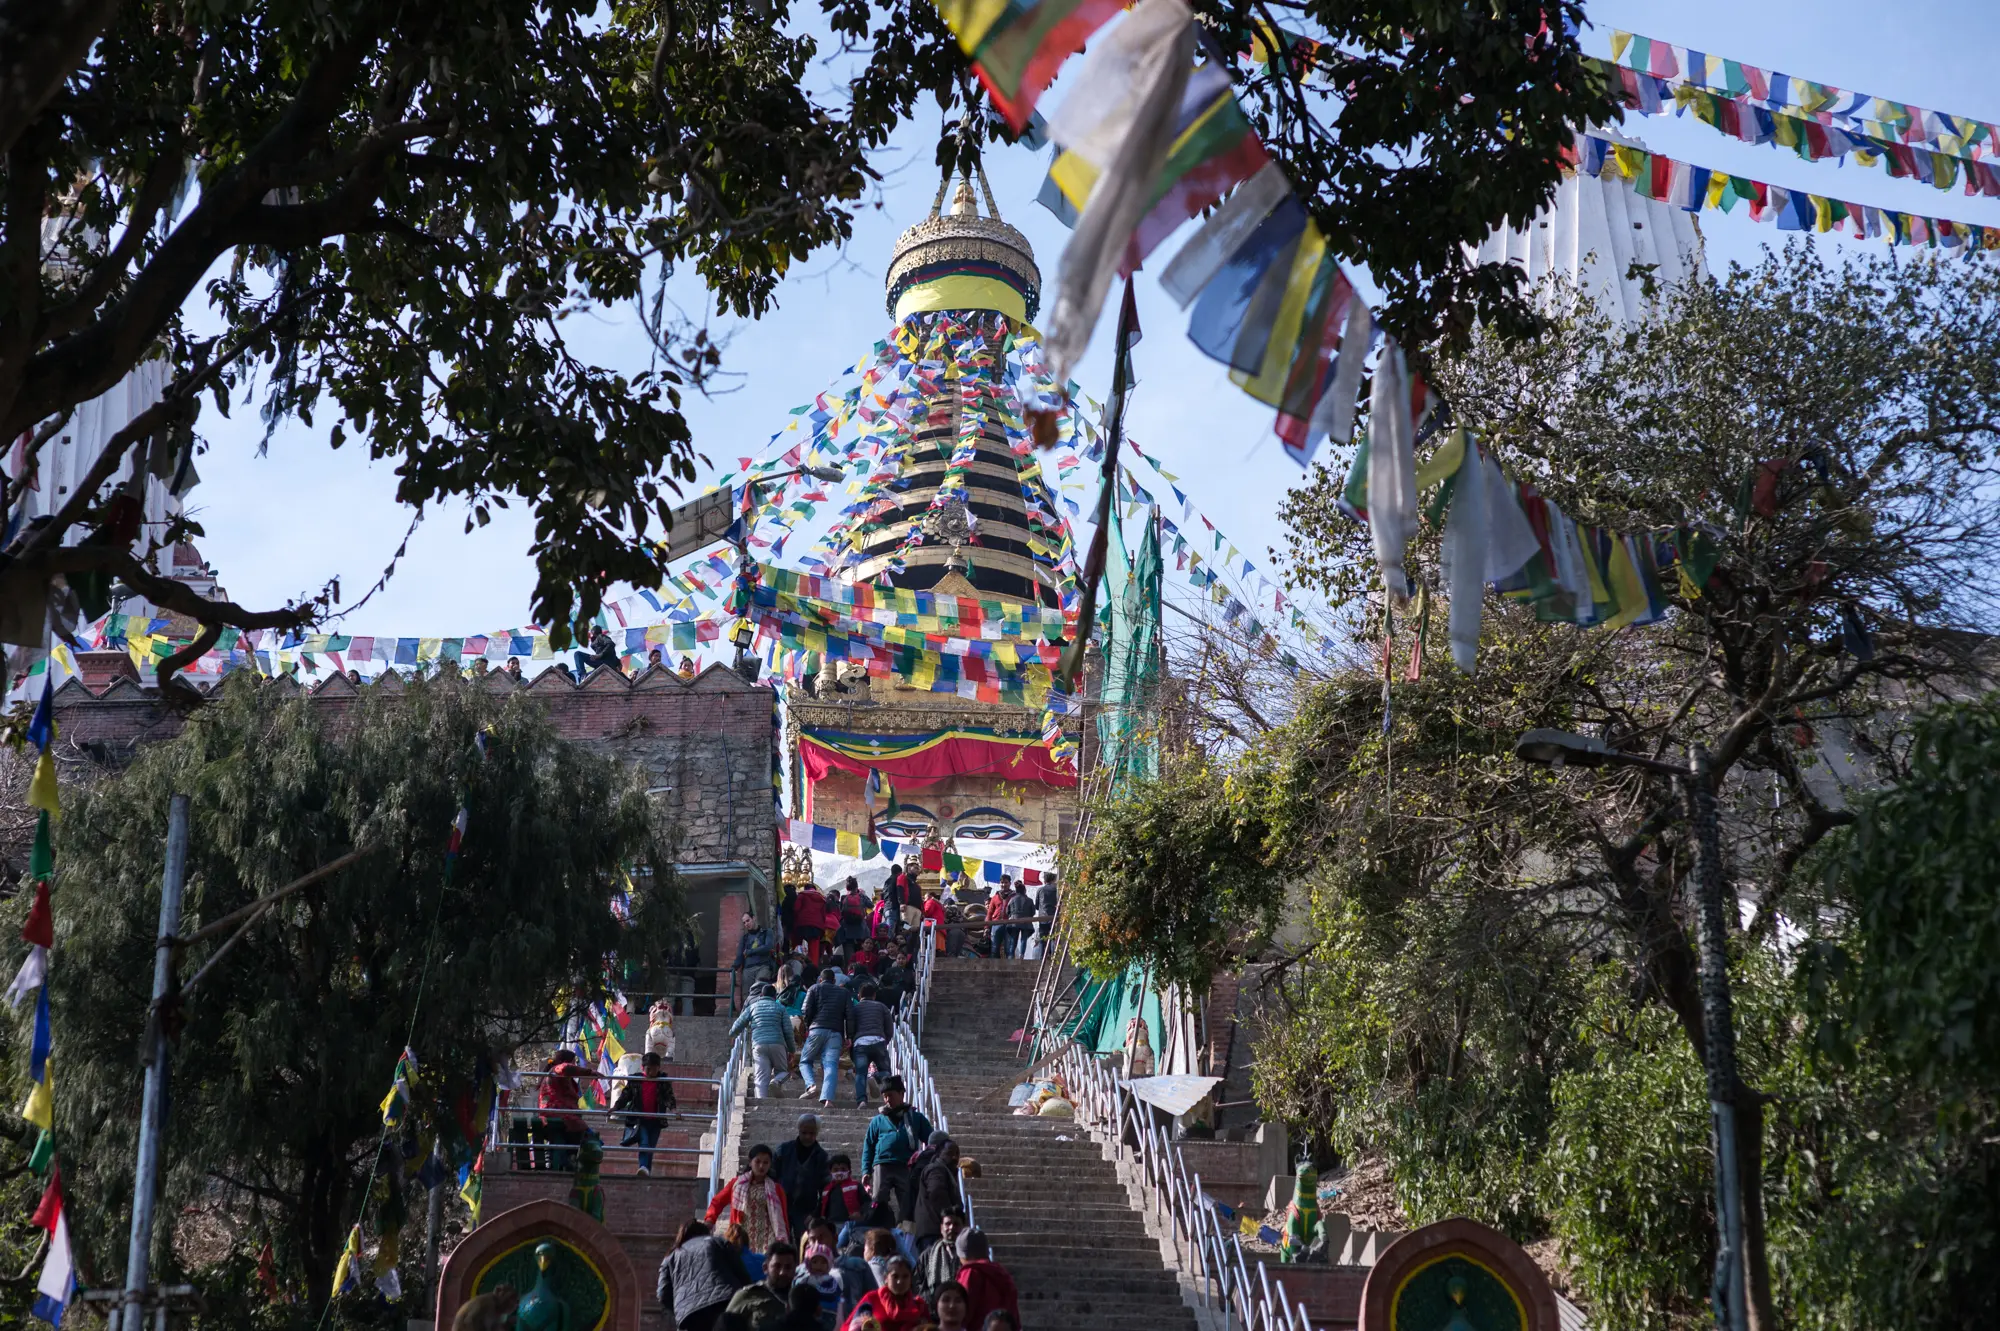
column 153, row 1105
column 1719, row 1031
column 433, row 1222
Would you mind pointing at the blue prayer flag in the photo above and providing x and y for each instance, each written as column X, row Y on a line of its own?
column 1232, row 318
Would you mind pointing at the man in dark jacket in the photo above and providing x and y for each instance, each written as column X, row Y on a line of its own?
column 937, row 1188
column 825, row 1017
column 894, row 979
column 893, row 1137
column 1020, row 908
column 698, row 1277
column 1046, row 900
column 939, row 1264
column 801, row 1167
column 767, row 1305
column 756, row 954
column 870, row 1028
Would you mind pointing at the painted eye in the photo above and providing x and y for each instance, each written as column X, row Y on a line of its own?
column 899, row 831
column 986, row 832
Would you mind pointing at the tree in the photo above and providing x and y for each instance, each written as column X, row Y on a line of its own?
column 1170, row 875
column 410, row 198
column 286, row 1049
column 1811, row 418
column 1838, row 445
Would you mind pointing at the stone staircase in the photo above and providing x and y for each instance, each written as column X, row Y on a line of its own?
column 1059, row 1218
column 1053, row 1207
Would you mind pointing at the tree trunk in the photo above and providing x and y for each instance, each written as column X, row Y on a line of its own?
column 1670, row 963
column 322, row 1219
column 1750, row 1180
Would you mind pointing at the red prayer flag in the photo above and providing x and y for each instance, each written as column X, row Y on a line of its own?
column 39, row 928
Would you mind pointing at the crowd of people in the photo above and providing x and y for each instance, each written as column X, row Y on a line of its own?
column 799, row 1241
column 849, row 930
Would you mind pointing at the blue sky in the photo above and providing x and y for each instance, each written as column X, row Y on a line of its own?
column 281, row 524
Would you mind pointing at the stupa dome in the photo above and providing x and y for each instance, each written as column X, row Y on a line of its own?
column 963, row 260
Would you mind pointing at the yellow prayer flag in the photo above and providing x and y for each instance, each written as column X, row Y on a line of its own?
column 1248, row 1225
column 1268, row 386
column 389, row 1252
column 1074, row 177
column 543, row 652
column 42, row 787
column 1629, row 159
column 350, row 1259
column 40, row 1108
column 1626, row 585
column 847, row 843
column 1450, row 455
column 1717, row 182
column 1822, row 213
column 428, row 648
column 971, row 20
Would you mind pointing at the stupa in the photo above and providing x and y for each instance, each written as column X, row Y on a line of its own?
column 967, row 515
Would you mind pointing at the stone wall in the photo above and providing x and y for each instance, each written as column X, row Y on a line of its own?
column 705, row 745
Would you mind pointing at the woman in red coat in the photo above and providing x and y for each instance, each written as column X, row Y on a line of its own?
column 809, row 920
column 754, row 1200
column 894, row 1304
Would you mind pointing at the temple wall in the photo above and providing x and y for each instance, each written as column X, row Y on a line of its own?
column 705, row 745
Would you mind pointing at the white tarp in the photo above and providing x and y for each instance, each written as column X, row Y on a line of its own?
column 1175, row 1094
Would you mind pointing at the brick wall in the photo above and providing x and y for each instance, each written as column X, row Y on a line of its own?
column 708, row 742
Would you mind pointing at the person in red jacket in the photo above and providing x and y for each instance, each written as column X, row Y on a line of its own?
column 560, row 1100
column 895, row 1305
column 843, row 1199
column 754, row 1200
column 988, row 1287
column 810, row 912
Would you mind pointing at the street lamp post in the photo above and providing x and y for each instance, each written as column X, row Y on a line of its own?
column 1560, row 748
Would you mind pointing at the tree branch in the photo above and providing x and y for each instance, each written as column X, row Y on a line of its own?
column 44, row 41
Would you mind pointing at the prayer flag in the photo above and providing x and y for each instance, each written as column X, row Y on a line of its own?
column 1017, row 45
column 57, row 1285
column 1232, row 319
column 1120, row 119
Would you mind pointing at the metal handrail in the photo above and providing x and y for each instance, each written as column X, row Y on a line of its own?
column 1212, row 1259
column 725, row 1110
column 910, row 1061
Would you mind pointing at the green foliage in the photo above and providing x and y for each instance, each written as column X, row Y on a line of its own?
column 397, row 206
column 1626, row 1168
column 1402, row 1048
column 1578, row 1107
column 1170, row 877
column 286, row 1049
column 1920, row 871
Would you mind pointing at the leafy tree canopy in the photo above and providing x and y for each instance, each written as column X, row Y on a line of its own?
column 1471, row 916
column 288, row 1046
column 391, row 207
column 1170, row 875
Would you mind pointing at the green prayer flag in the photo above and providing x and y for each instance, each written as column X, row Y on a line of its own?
column 44, row 1152
column 42, row 859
